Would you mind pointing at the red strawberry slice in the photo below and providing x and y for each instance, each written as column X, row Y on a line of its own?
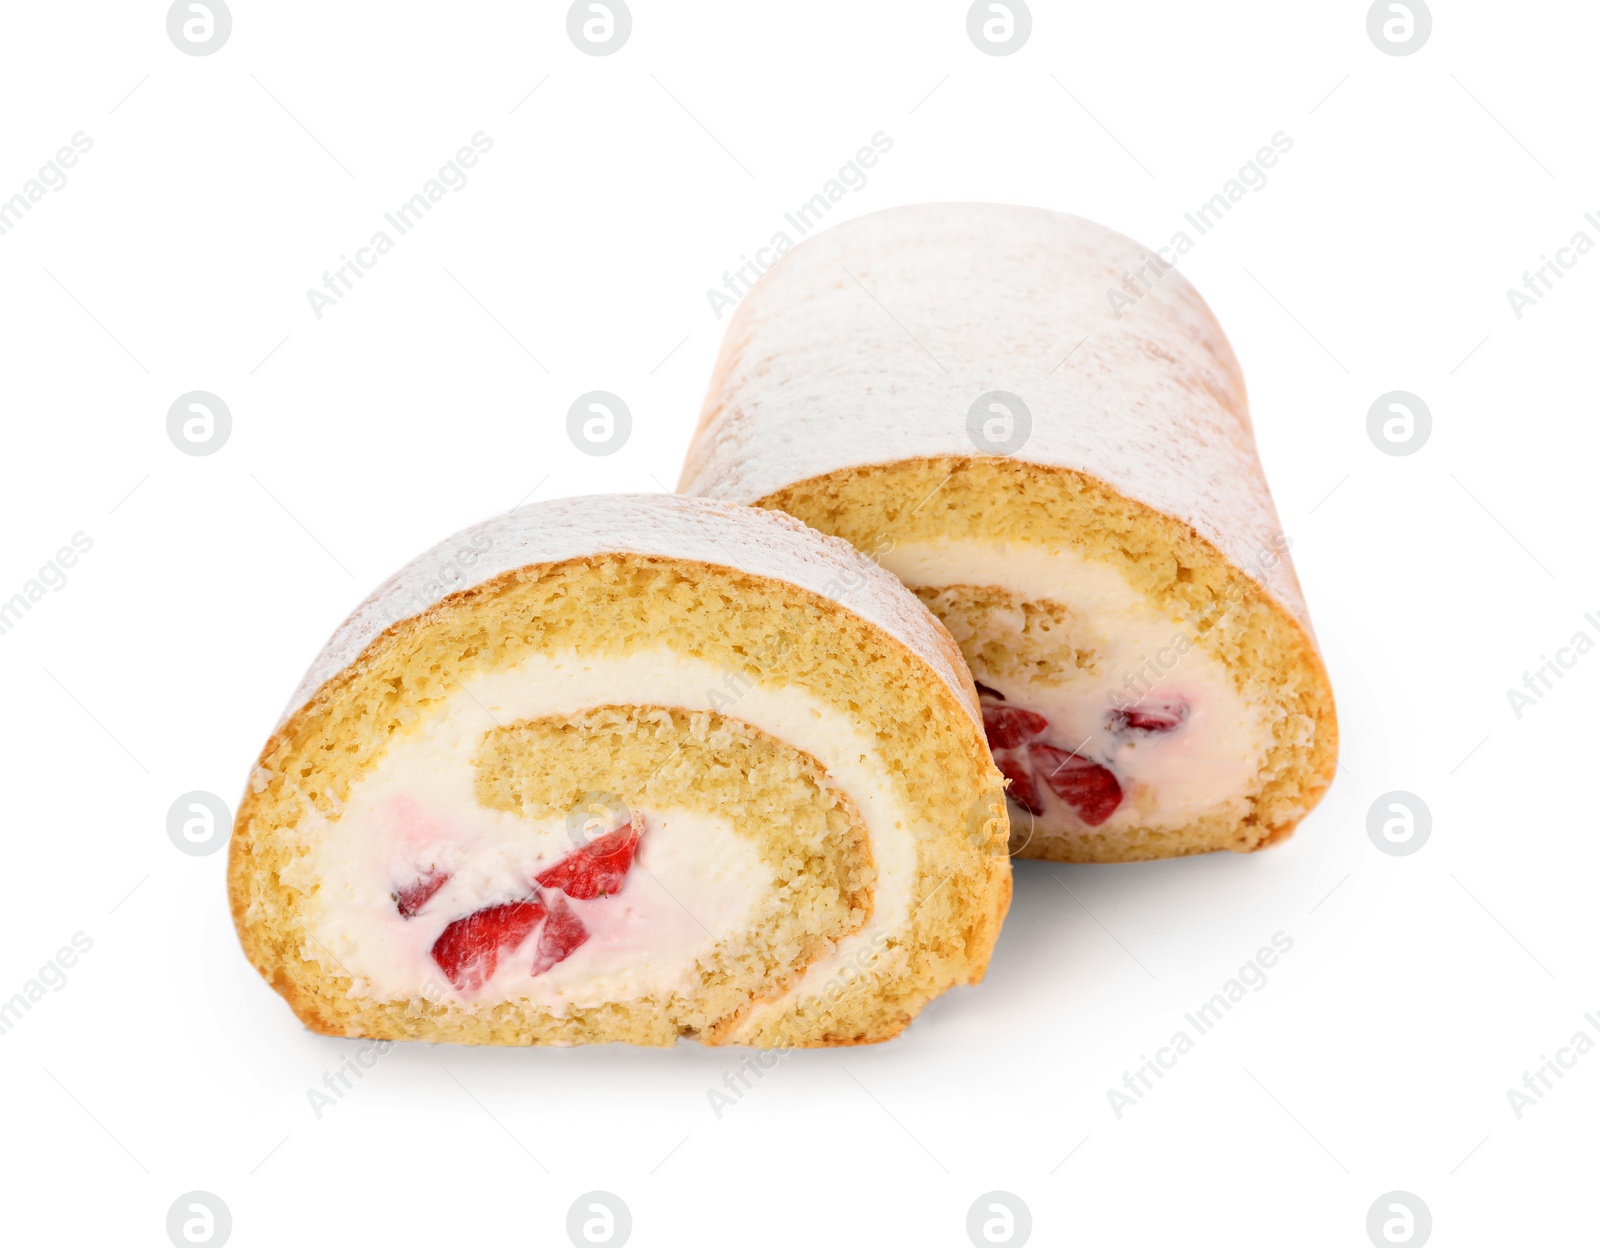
column 597, row 870
column 409, row 898
column 1023, row 791
column 469, row 949
column 1010, row 726
column 1081, row 783
column 562, row 933
column 1149, row 718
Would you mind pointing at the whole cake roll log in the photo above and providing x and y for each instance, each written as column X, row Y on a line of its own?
column 1040, row 427
column 626, row 769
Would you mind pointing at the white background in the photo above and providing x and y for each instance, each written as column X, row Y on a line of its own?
column 177, row 257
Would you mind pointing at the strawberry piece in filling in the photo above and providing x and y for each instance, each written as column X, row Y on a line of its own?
column 1090, row 789
column 469, row 950
column 1022, row 790
column 562, row 933
column 598, row 869
column 410, row 898
column 1149, row 718
column 1007, row 727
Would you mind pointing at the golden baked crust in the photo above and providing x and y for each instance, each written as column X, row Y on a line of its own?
column 763, row 629
column 845, row 394
column 1269, row 654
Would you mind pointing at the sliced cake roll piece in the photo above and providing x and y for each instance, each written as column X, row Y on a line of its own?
column 1040, row 427
column 626, row 769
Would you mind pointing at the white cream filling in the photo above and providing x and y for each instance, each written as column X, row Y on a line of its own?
column 695, row 880
column 1209, row 763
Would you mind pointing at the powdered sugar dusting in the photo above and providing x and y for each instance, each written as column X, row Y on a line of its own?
column 761, row 543
column 869, row 343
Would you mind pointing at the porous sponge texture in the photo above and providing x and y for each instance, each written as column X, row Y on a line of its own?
column 617, row 604
column 1271, row 657
column 1007, row 636
column 653, row 757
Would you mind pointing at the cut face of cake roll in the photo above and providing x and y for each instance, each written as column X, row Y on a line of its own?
column 1039, row 426
column 626, row 769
